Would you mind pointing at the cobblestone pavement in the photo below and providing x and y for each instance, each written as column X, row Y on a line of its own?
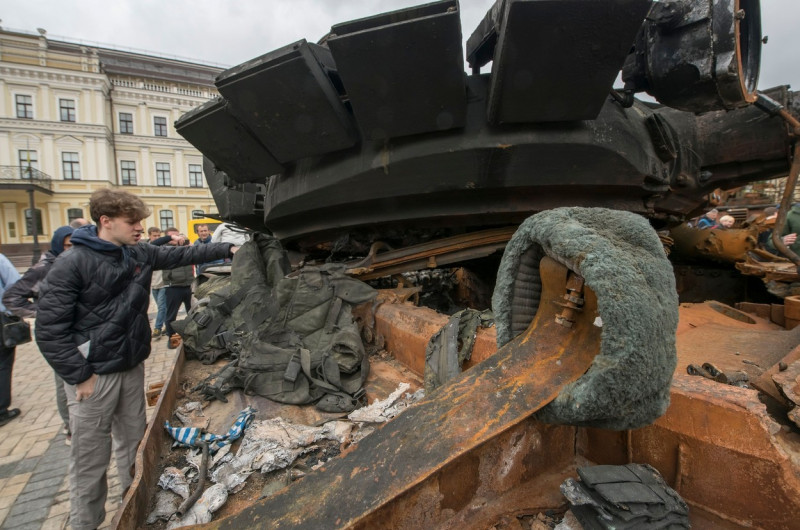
column 34, row 486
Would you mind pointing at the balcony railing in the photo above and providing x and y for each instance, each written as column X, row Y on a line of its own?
column 25, row 175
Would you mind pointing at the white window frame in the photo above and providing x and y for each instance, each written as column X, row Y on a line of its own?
column 122, row 170
column 63, row 172
column 34, row 165
column 74, row 101
column 189, row 173
column 33, row 105
column 119, row 122
column 169, row 173
column 166, row 126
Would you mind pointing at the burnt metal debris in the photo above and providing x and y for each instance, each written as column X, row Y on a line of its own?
column 378, row 127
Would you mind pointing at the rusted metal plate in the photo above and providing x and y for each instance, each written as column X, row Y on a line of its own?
column 443, row 430
column 727, row 246
column 731, row 340
column 720, row 449
column 406, row 330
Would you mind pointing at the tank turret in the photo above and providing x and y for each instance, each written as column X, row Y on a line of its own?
column 378, row 127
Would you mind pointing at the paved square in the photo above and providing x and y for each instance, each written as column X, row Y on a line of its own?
column 34, row 487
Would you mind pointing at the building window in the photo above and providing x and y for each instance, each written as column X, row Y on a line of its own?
column 195, row 176
column 28, row 159
column 12, row 229
column 160, row 126
column 74, row 213
column 128, row 172
column 70, row 166
column 163, row 177
column 24, row 107
column 67, row 107
column 198, row 214
column 166, row 219
column 125, row 123
column 29, row 225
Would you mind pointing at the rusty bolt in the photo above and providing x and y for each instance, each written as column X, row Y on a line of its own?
column 739, row 15
column 782, row 366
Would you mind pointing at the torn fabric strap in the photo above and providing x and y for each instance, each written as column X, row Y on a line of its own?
column 194, row 437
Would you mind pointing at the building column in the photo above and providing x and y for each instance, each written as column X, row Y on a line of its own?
column 55, row 218
column 142, row 128
column 3, row 111
column 45, row 96
column 99, row 100
column 10, row 216
column 181, row 179
column 182, row 219
column 146, row 172
column 7, row 155
column 86, row 103
column 105, row 171
column 48, row 158
column 91, row 164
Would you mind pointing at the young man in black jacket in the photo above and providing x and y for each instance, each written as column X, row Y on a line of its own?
column 93, row 329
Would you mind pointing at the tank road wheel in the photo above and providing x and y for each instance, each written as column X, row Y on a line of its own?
column 621, row 259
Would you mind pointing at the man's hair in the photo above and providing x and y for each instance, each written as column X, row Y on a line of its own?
column 197, row 227
column 770, row 210
column 117, row 203
column 153, row 230
column 172, row 229
column 79, row 222
column 726, row 218
column 714, row 210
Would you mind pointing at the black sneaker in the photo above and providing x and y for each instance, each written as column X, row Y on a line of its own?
column 8, row 415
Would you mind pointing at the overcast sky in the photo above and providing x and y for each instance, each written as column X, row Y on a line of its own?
column 232, row 32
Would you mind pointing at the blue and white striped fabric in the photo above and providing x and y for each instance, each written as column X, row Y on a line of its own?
column 193, row 437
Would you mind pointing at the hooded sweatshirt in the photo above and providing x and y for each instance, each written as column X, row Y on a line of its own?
column 96, row 296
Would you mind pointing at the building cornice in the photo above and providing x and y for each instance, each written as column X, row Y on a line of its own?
column 134, row 141
column 136, row 96
column 54, row 127
column 53, row 75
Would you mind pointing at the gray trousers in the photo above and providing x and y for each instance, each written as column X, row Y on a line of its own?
column 116, row 408
column 61, row 400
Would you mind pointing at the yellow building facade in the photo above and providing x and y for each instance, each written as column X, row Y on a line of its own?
column 76, row 118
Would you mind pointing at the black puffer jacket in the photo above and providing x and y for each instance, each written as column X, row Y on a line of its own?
column 100, row 292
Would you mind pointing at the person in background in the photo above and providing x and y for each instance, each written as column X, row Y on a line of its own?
column 8, row 276
column 79, row 222
column 709, row 219
column 93, row 329
column 789, row 231
column 204, row 238
column 725, row 222
column 157, row 287
column 21, row 299
column 177, row 282
column 770, row 214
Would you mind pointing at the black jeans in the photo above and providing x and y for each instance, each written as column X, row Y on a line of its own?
column 6, row 365
column 176, row 296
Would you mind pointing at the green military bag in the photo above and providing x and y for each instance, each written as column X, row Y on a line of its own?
column 293, row 337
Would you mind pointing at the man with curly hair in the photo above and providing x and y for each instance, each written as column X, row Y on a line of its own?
column 93, row 329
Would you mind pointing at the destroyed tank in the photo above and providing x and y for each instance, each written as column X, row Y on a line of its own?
column 375, row 137
column 377, row 131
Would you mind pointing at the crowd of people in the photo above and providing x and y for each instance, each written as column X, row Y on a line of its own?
column 712, row 220
column 90, row 295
